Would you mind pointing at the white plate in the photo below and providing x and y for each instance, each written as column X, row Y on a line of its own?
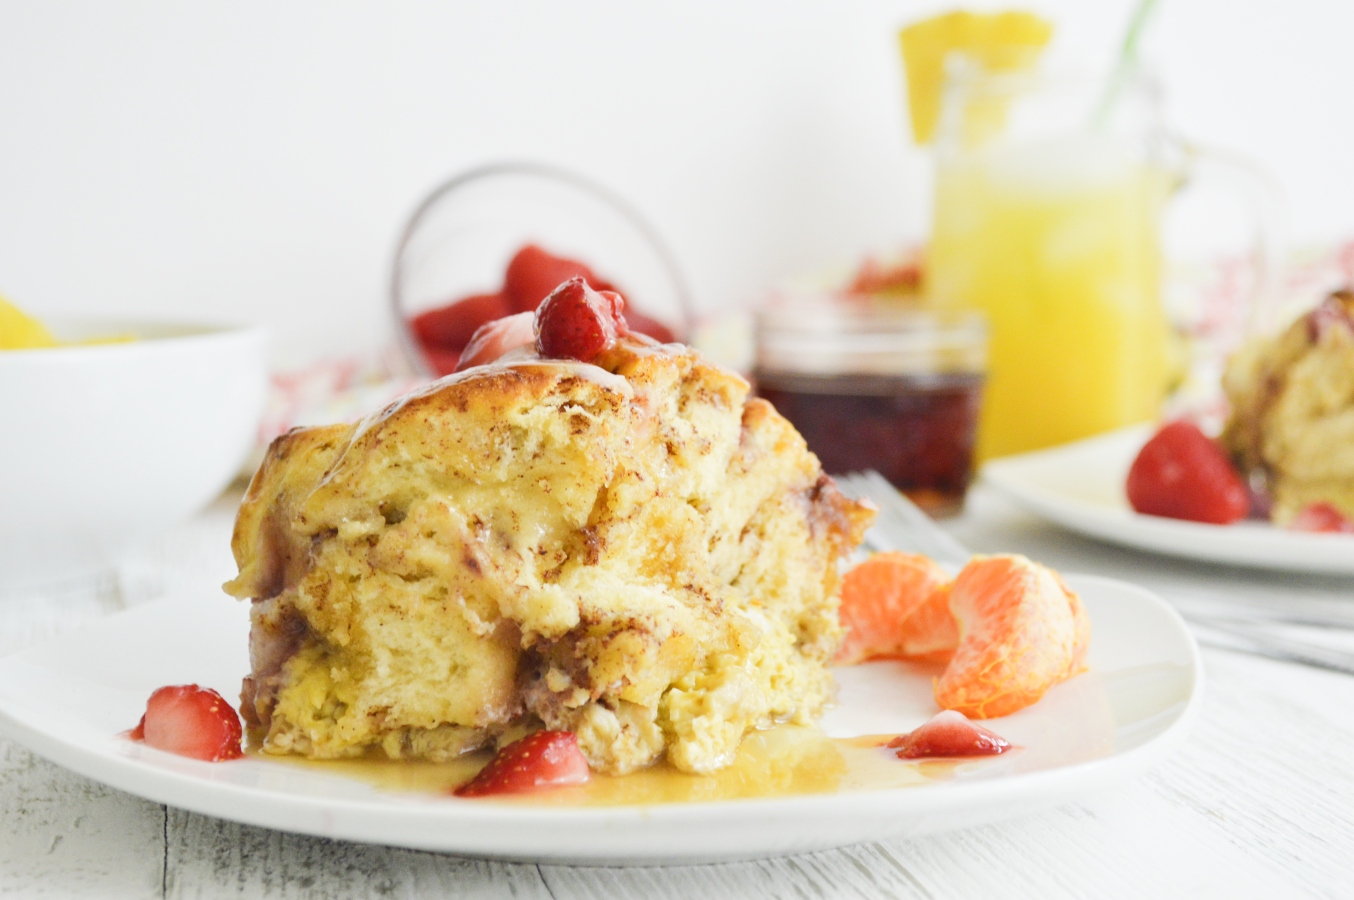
column 1081, row 486
column 69, row 699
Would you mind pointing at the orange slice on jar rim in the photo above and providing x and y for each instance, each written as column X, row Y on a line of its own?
column 1021, row 631
column 996, row 42
column 881, row 597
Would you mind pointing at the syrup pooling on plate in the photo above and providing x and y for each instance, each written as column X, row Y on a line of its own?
column 784, row 761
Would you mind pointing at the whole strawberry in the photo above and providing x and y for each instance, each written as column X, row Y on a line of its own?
column 542, row 759
column 576, row 322
column 1181, row 474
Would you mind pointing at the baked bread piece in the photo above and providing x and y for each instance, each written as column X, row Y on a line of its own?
column 1292, row 419
column 632, row 550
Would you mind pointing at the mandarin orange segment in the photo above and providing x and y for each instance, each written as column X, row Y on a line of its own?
column 878, row 596
column 931, row 632
column 1021, row 632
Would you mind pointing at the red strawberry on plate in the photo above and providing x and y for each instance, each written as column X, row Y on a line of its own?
column 1181, row 474
column 543, row 759
column 576, row 322
column 1322, row 517
column 190, row 721
column 949, row 733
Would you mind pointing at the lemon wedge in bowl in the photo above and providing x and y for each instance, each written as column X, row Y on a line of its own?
column 20, row 331
column 996, row 42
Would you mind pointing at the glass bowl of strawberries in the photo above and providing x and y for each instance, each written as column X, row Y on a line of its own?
column 496, row 240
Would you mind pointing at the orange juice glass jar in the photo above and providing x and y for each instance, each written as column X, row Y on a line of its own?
column 1048, row 202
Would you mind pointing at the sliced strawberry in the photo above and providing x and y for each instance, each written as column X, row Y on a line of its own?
column 533, row 273
column 452, row 326
column 576, row 322
column 949, row 733
column 615, row 308
column 1322, row 517
column 543, row 759
column 190, row 721
column 1181, row 474
column 497, row 338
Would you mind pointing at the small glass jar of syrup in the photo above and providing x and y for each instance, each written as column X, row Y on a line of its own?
column 878, row 383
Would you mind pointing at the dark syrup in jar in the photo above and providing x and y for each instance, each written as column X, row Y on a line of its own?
column 917, row 430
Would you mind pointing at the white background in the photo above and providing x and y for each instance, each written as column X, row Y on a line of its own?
column 256, row 160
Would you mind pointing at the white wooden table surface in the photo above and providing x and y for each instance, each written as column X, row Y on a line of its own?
column 1260, row 802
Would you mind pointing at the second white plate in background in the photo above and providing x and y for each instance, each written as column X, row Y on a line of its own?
column 1080, row 486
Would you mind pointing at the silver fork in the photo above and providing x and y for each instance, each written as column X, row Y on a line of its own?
column 901, row 525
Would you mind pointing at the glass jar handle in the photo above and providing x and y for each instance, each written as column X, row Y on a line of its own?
column 1247, row 309
column 1260, row 193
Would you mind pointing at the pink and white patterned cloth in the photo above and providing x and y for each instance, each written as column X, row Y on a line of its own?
column 337, row 389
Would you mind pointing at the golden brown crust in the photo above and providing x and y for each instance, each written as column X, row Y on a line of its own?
column 268, row 554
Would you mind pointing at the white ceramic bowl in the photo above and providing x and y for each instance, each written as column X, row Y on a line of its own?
column 104, row 446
